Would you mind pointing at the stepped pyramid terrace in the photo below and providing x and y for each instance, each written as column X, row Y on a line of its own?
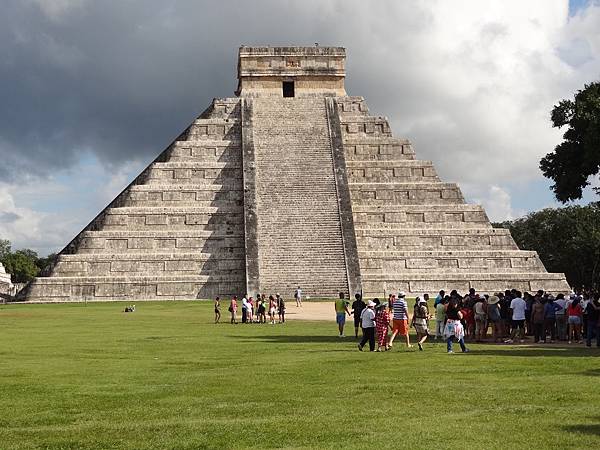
column 292, row 182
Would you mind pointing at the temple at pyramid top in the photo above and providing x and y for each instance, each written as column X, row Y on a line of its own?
column 291, row 71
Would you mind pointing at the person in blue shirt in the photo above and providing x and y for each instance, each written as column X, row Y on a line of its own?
column 550, row 309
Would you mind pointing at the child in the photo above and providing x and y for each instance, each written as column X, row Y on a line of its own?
column 382, row 324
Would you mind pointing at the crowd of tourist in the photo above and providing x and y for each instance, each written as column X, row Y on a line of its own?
column 255, row 311
column 503, row 317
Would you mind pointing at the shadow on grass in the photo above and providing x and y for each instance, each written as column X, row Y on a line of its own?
column 588, row 428
column 295, row 339
column 529, row 352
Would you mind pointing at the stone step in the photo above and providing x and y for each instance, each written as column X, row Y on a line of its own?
column 410, row 216
column 352, row 105
column 183, row 195
column 391, row 171
column 490, row 282
column 214, row 129
column 224, row 108
column 415, row 193
column 189, row 172
column 409, row 262
column 132, row 241
column 159, row 264
column 131, row 288
column 171, row 218
column 365, row 125
column 217, row 151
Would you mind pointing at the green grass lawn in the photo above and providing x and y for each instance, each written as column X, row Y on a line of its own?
column 79, row 377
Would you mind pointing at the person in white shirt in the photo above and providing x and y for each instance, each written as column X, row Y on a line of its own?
column 367, row 318
column 298, row 297
column 517, row 309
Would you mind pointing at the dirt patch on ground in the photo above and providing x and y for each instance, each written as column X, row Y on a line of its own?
column 310, row 311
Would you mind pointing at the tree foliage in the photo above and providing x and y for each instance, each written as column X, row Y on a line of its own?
column 566, row 239
column 23, row 264
column 577, row 158
column 20, row 267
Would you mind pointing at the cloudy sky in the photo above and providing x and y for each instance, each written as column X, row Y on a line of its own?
column 91, row 91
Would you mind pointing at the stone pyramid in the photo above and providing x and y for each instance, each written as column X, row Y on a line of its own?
column 291, row 183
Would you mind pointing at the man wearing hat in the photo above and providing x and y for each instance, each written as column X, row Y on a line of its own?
column 494, row 317
column 367, row 318
column 400, row 326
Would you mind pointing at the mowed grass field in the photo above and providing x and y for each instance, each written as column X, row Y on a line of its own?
column 82, row 377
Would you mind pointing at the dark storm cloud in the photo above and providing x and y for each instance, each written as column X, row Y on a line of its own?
column 121, row 79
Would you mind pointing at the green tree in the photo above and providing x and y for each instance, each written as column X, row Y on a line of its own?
column 577, row 158
column 22, row 268
column 45, row 263
column 566, row 239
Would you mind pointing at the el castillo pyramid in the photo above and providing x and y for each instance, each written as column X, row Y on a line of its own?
column 291, row 183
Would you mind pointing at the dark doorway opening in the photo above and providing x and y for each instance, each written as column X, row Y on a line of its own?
column 288, row 88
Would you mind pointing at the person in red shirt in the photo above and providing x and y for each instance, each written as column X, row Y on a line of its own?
column 575, row 319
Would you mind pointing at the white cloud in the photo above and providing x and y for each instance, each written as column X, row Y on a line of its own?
column 25, row 227
column 496, row 200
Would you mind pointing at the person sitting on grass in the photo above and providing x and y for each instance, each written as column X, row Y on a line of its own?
column 341, row 309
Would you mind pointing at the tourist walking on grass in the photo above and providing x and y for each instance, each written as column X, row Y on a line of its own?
column 400, row 322
column 517, row 309
column 341, row 309
column 357, row 308
column 419, row 321
column 574, row 314
column 367, row 318
column 298, row 297
column 281, row 308
column 382, row 325
column 217, row 310
column 233, row 309
column 454, row 328
column 537, row 320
